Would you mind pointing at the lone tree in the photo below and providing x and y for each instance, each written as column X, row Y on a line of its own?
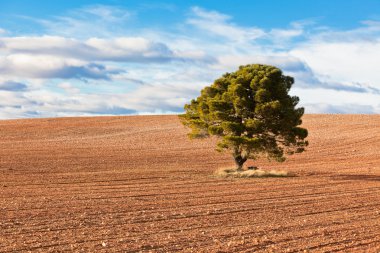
column 251, row 112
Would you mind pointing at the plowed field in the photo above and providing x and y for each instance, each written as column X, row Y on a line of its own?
column 131, row 184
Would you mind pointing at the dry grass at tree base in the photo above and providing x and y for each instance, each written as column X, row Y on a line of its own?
column 251, row 173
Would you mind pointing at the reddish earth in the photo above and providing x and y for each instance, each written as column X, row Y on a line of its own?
column 130, row 184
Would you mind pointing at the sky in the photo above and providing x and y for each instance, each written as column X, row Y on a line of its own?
column 121, row 57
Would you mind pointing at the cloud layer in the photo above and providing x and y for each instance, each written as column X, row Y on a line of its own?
column 110, row 69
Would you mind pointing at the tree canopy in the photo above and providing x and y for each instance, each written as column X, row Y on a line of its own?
column 251, row 112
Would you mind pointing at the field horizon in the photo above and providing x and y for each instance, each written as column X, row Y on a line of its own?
column 137, row 183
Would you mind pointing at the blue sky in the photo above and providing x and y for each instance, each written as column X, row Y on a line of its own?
column 74, row 58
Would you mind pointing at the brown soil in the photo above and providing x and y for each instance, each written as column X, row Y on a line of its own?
column 130, row 184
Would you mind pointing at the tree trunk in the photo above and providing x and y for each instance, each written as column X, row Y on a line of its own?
column 239, row 161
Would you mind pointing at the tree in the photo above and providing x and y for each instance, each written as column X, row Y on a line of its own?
column 251, row 112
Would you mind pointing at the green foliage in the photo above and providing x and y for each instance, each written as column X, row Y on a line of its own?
column 252, row 113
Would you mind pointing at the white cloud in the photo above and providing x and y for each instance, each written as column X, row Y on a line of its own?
column 69, row 88
column 97, row 20
column 344, row 56
column 43, row 103
column 134, row 49
column 162, row 97
column 43, row 66
column 342, row 108
column 218, row 24
column 354, row 61
column 66, row 72
column 286, row 33
column 321, row 100
column 282, row 36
